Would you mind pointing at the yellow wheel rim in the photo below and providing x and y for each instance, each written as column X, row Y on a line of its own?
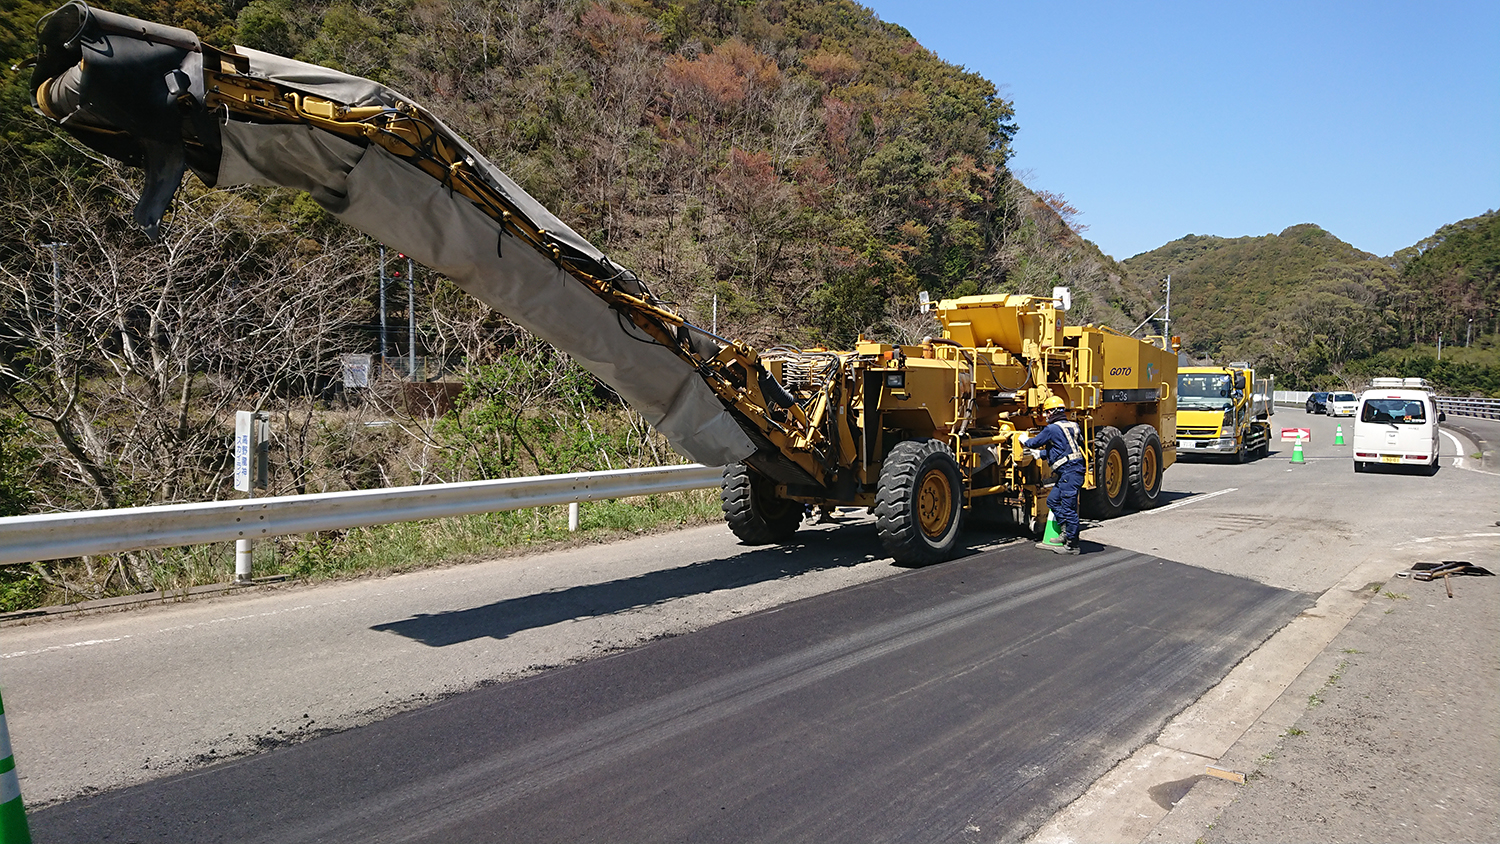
column 934, row 503
column 1114, row 475
column 1148, row 468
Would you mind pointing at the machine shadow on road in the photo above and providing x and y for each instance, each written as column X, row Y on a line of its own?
column 809, row 551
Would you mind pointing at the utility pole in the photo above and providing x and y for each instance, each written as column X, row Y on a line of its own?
column 411, row 321
column 1166, row 320
column 384, row 346
column 56, row 288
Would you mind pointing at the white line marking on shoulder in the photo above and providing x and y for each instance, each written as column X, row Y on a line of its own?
column 1193, row 500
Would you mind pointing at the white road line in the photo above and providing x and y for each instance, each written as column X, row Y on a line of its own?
column 221, row 620
column 1461, row 461
column 229, row 618
column 1186, row 501
column 1458, row 445
column 180, row 627
column 1423, row 540
column 63, row 647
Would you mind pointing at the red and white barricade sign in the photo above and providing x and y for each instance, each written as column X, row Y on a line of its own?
column 1294, row 434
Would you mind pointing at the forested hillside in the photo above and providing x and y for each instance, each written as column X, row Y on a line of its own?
column 812, row 166
column 1320, row 313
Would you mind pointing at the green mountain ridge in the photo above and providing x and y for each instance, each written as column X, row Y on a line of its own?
column 1320, row 312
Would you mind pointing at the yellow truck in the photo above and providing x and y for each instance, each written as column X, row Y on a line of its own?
column 1224, row 411
column 922, row 435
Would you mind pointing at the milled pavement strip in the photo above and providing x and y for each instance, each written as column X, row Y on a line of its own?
column 1120, row 805
column 527, row 768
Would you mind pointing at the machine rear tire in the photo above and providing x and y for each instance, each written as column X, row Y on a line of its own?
column 1107, row 499
column 752, row 509
column 920, row 502
column 1143, row 446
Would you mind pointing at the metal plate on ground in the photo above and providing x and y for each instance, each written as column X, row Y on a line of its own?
column 960, row 701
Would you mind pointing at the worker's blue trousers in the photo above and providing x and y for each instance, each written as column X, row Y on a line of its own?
column 1063, row 499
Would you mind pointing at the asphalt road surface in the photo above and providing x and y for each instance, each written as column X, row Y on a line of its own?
column 959, row 701
column 334, row 701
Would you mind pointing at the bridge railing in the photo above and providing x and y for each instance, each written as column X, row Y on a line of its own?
column 1451, row 405
column 1480, row 408
column 52, row 536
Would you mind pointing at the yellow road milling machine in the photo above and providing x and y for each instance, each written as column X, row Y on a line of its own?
column 922, row 435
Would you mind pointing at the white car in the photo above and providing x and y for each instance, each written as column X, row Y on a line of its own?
column 1397, row 427
column 1342, row 404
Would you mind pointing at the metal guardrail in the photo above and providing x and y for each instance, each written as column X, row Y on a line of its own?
column 52, row 536
column 1480, row 408
column 1451, row 405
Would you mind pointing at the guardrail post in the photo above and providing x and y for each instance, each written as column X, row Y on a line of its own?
column 572, row 516
column 244, row 560
column 13, row 828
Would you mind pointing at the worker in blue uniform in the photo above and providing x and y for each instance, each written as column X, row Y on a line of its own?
column 1062, row 448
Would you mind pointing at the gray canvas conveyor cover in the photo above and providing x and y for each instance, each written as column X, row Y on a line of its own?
column 117, row 72
column 397, row 204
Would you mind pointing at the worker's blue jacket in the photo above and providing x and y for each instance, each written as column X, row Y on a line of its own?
column 1060, row 443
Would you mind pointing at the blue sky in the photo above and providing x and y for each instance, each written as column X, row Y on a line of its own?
column 1379, row 121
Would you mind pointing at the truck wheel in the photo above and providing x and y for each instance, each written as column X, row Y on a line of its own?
column 1107, row 499
column 920, row 502
column 752, row 509
column 1143, row 445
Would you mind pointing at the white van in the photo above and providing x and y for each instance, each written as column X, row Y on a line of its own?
column 1397, row 426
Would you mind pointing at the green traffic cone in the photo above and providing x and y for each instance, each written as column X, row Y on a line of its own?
column 13, row 828
column 1052, row 535
column 1338, row 436
column 1297, row 452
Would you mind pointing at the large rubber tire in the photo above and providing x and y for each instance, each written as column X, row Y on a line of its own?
column 920, row 503
column 1107, row 499
column 752, row 509
column 1143, row 447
